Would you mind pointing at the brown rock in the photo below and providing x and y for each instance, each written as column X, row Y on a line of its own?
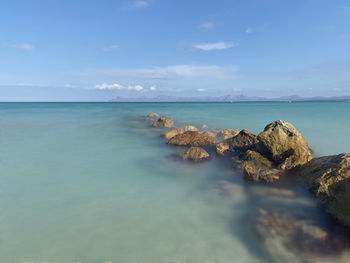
column 163, row 122
column 195, row 154
column 172, row 133
column 190, row 128
column 153, row 115
column 226, row 134
column 338, row 203
column 285, row 144
column 192, row 138
column 320, row 173
column 258, row 168
column 242, row 142
column 329, row 178
column 222, row 148
column 209, row 133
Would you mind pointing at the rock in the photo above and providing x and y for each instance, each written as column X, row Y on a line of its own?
column 289, row 239
column 259, row 168
column 190, row 128
column 195, row 154
column 163, row 122
column 320, row 173
column 205, row 127
column 285, row 144
column 153, row 115
column 242, row 142
column 226, row 134
column 192, row 138
column 209, row 133
column 338, row 203
column 329, row 178
column 222, row 148
column 173, row 132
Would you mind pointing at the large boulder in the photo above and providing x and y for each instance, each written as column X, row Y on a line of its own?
column 173, row 132
column 163, row 122
column 192, row 138
column 240, row 143
column 285, row 145
column 195, row 154
column 226, row 134
column 329, row 178
column 320, row 173
column 258, row 168
column 338, row 203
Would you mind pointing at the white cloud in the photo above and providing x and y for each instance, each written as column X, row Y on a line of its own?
column 207, row 25
column 175, row 72
column 116, row 86
column 249, row 30
column 110, row 48
column 238, row 89
column 137, row 88
column 105, row 86
column 200, row 90
column 153, row 88
column 140, row 4
column 23, row 46
column 216, row 46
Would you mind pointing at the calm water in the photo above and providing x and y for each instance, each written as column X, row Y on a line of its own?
column 89, row 182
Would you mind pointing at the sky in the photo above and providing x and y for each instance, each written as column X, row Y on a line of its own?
column 84, row 50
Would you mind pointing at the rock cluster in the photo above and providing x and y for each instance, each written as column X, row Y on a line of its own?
column 278, row 150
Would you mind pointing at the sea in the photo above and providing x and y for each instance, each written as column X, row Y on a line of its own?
column 94, row 183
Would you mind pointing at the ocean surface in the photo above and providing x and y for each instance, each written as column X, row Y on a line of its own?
column 91, row 182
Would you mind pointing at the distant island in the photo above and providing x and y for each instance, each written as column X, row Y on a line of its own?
column 228, row 98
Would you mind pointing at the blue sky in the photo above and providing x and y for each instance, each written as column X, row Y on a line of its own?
column 82, row 50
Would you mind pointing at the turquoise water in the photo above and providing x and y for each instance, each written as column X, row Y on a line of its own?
column 90, row 182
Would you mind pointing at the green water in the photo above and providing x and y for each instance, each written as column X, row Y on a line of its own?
column 90, row 182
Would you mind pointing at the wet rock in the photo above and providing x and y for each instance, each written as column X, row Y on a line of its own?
column 320, row 173
column 241, row 143
column 226, row 134
column 222, row 148
column 285, row 144
column 173, row 132
column 258, row 168
column 192, row 138
column 195, row 154
column 190, row 128
column 338, row 203
column 163, row 122
column 153, row 115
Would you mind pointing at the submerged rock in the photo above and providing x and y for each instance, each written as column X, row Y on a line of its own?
column 173, row 132
column 195, row 154
column 153, row 115
column 289, row 239
column 163, row 122
column 285, row 145
column 257, row 168
column 192, row 138
column 226, row 134
column 329, row 178
column 190, row 128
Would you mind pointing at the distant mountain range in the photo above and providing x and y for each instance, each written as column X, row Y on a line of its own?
column 228, row 98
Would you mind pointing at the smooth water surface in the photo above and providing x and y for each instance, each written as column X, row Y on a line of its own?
column 90, row 182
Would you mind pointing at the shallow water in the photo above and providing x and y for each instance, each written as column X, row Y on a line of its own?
column 90, row 182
